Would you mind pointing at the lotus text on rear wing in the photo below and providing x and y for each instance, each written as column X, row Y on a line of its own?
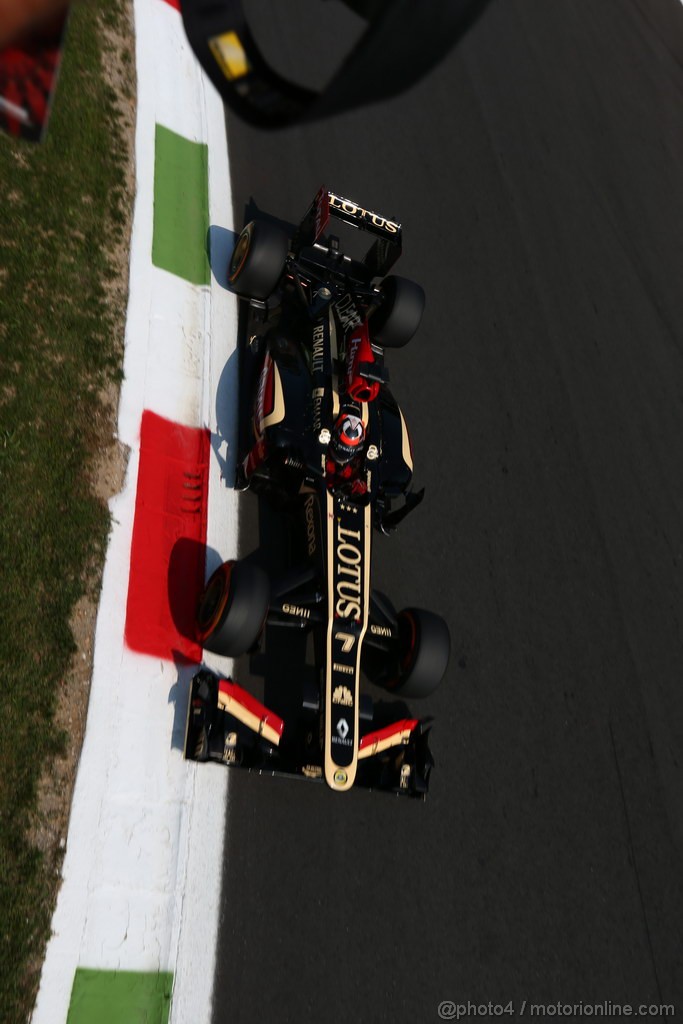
column 351, row 209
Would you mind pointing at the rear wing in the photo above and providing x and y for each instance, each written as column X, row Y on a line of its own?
column 383, row 253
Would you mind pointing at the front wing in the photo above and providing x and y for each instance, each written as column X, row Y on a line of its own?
column 227, row 725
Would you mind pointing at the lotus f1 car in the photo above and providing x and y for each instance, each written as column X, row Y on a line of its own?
column 329, row 448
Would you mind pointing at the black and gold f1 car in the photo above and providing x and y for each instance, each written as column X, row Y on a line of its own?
column 328, row 447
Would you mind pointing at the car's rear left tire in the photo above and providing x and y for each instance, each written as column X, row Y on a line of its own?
column 258, row 260
column 400, row 314
column 232, row 609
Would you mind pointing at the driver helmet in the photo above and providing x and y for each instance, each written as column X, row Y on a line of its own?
column 348, row 437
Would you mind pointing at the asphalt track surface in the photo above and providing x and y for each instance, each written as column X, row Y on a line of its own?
column 538, row 174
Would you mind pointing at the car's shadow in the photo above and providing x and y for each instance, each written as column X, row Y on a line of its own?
column 225, row 439
column 219, row 245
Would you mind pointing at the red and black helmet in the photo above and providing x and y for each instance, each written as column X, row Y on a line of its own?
column 348, row 437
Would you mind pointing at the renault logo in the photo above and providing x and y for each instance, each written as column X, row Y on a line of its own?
column 342, row 728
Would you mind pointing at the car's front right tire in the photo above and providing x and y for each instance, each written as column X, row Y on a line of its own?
column 232, row 609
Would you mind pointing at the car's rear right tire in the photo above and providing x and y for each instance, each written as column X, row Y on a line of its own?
column 258, row 260
column 232, row 609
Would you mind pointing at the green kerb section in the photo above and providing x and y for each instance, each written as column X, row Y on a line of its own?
column 181, row 206
column 120, row 997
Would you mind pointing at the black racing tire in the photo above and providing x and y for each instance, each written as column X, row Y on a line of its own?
column 232, row 609
column 258, row 260
column 400, row 315
column 424, row 650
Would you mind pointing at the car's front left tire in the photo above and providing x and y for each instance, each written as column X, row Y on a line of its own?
column 424, row 651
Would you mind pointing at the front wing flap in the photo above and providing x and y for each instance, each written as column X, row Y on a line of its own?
column 241, row 732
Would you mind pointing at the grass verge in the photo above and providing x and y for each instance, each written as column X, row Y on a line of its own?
column 63, row 238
